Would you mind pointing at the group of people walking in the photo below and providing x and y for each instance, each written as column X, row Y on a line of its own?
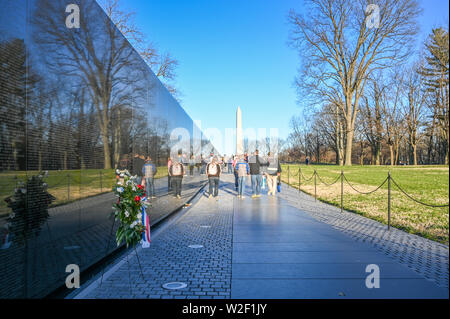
column 261, row 171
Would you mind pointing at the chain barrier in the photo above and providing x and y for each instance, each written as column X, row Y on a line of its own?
column 323, row 182
column 343, row 177
column 417, row 201
column 308, row 179
column 365, row 193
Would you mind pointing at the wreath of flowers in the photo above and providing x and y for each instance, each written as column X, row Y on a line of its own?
column 128, row 209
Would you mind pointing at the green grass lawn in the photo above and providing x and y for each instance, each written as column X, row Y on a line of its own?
column 428, row 184
column 67, row 186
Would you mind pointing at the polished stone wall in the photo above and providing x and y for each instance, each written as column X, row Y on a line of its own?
column 75, row 103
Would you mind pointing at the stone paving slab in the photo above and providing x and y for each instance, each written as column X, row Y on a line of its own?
column 316, row 271
column 426, row 257
column 332, row 289
column 288, row 264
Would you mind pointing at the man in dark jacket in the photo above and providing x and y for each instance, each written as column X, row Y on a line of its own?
column 255, row 164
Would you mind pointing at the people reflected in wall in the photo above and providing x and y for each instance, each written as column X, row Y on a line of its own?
column 149, row 171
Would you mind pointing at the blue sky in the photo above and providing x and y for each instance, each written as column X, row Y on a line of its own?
column 234, row 53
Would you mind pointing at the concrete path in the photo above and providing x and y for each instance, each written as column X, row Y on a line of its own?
column 282, row 252
column 259, row 248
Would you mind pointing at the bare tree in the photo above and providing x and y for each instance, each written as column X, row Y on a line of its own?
column 392, row 117
column 413, row 108
column 162, row 64
column 372, row 117
column 340, row 51
column 107, row 66
column 436, row 74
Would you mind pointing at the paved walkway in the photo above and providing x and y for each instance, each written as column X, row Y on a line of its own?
column 258, row 248
column 424, row 256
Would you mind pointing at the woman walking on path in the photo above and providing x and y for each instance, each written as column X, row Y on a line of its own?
column 213, row 171
column 242, row 170
column 273, row 171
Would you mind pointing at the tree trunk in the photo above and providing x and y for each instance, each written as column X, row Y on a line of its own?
column 348, row 148
column 377, row 153
column 414, row 154
column 65, row 160
column 391, row 152
column 117, row 140
column 40, row 159
column 106, row 149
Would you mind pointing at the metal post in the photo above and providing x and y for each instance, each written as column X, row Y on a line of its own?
column 299, row 178
column 315, row 186
column 288, row 175
column 68, row 186
column 389, row 200
column 101, row 182
column 342, row 190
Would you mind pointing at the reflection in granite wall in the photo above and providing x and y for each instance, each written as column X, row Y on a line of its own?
column 77, row 103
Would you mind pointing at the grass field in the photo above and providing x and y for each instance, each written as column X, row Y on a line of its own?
column 428, row 184
column 67, row 186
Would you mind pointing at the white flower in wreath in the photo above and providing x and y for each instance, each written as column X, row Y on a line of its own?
column 120, row 189
column 12, row 215
column 133, row 224
column 117, row 172
column 139, row 216
column 127, row 214
column 23, row 190
column 119, row 183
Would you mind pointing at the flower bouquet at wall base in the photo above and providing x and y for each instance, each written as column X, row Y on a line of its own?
column 128, row 209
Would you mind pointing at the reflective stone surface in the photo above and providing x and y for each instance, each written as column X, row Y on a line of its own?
column 77, row 103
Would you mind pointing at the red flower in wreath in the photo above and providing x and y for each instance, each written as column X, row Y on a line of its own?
column 139, row 186
column 137, row 198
